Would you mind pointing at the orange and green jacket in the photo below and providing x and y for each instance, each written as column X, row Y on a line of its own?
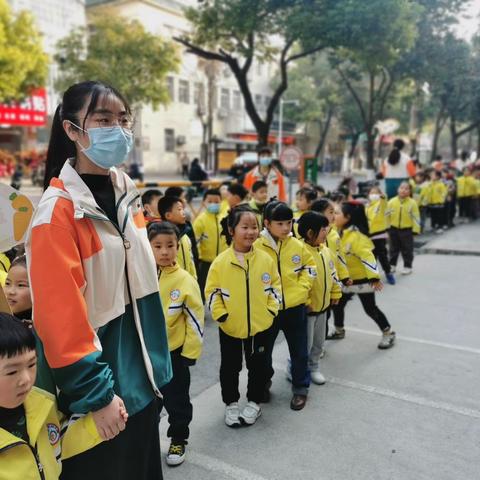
column 94, row 287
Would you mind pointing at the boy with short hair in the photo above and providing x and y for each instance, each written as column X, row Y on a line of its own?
column 171, row 209
column 150, row 200
column 208, row 231
column 236, row 195
column 259, row 199
column 34, row 436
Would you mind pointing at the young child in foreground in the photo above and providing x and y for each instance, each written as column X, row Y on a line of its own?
column 34, row 436
column 244, row 295
column 184, row 315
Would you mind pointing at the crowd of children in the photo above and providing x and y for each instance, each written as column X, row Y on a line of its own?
column 258, row 266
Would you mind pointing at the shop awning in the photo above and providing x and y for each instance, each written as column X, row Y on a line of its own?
column 31, row 112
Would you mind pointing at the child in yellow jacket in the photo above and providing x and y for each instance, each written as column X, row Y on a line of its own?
column 326, row 290
column 297, row 271
column 34, row 435
column 466, row 192
column 244, row 295
column 378, row 224
column 184, row 315
column 437, row 196
column 352, row 224
column 208, row 230
column 404, row 224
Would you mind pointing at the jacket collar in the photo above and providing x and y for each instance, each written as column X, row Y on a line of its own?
column 38, row 406
column 170, row 269
column 247, row 256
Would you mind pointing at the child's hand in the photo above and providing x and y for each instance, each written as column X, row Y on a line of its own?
column 334, row 301
column 348, row 282
column 111, row 420
column 377, row 285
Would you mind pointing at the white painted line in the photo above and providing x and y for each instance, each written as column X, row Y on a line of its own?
column 405, row 397
column 218, row 466
column 450, row 346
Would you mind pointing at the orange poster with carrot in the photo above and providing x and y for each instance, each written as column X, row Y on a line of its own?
column 16, row 212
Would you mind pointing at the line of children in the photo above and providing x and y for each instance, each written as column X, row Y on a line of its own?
column 184, row 314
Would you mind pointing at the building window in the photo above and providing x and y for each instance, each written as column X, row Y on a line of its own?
column 225, row 99
column 184, row 91
column 237, row 100
column 171, row 88
column 199, row 95
column 169, row 140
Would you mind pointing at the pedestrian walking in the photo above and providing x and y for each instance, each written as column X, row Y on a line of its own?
column 95, row 289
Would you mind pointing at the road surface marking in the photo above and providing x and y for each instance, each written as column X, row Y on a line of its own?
column 213, row 464
column 450, row 346
column 447, row 407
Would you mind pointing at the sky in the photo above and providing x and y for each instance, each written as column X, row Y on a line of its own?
column 468, row 26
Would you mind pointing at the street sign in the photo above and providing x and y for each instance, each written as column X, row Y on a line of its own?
column 291, row 158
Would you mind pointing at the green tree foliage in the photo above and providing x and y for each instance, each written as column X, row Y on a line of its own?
column 23, row 63
column 237, row 32
column 119, row 52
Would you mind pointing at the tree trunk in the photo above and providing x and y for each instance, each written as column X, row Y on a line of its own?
column 478, row 142
column 370, row 149
column 453, row 138
column 439, row 124
column 323, row 137
column 353, row 146
column 369, row 128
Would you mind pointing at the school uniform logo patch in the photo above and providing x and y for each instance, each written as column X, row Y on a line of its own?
column 175, row 294
column 296, row 259
column 266, row 278
column 53, row 433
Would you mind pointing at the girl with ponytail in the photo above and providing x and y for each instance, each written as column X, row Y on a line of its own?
column 94, row 287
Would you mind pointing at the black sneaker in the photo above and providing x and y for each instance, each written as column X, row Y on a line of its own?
column 337, row 335
column 176, row 453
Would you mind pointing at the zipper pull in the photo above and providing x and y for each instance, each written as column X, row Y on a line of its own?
column 126, row 242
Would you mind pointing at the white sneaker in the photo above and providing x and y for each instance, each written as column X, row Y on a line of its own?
column 407, row 271
column 387, row 341
column 232, row 414
column 317, row 378
column 438, row 231
column 250, row 413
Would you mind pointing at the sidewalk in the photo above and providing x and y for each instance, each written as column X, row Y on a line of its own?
column 461, row 240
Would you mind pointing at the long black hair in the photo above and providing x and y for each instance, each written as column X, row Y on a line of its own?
column 60, row 147
column 311, row 221
column 394, row 156
column 357, row 216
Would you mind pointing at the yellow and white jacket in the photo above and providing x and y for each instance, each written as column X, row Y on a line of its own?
column 52, row 438
column 244, row 297
column 466, row 186
column 437, row 193
column 185, row 255
column 208, row 230
column 183, row 310
column 295, row 264
column 335, row 245
column 377, row 217
column 404, row 213
column 326, row 286
column 361, row 262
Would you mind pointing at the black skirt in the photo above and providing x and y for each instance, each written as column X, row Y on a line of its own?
column 134, row 453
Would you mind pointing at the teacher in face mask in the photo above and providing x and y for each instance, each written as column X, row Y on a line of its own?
column 266, row 172
column 94, row 286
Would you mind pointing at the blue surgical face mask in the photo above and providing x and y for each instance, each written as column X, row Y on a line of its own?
column 213, row 208
column 109, row 147
column 265, row 161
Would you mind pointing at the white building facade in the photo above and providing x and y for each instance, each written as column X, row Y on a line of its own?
column 175, row 131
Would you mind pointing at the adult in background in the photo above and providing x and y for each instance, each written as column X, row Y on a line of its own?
column 197, row 174
column 94, row 286
column 397, row 168
column 266, row 172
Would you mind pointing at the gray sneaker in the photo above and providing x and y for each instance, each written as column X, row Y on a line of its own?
column 387, row 341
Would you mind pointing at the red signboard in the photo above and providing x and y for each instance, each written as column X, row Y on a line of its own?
column 31, row 112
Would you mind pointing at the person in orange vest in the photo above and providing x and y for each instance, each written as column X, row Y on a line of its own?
column 270, row 175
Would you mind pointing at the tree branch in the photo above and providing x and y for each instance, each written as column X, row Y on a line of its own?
column 250, row 49
column 200, row 52
column 468, row 129
column 354, row 95
column 305, row 53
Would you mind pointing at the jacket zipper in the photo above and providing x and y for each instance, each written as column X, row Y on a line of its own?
column 400, row 217
column 34, row 453
column 218, row 235
column 183, row 255
column 280, row 274
column 324, row 282
column 247, row 278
